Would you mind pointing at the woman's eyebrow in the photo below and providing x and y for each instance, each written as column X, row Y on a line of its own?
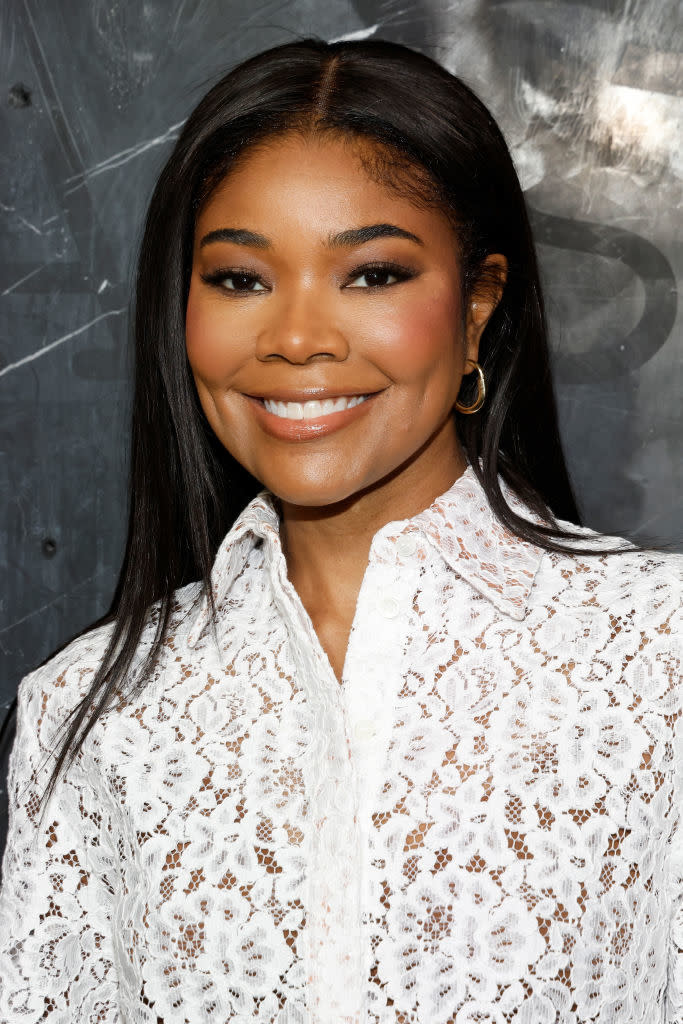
column 344, row 239
column 240, row 236
column 357, row 236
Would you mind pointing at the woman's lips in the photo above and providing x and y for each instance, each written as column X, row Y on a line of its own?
column 308, row 425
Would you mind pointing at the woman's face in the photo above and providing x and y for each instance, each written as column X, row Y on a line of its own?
column 325, row 328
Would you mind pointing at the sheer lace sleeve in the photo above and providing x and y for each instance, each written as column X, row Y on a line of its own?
column 674, row 990
column 56, row 958
column 674, row 1001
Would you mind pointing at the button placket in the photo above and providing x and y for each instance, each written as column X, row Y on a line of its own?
column 372, row 676
column 372, row 679
column 331, row 947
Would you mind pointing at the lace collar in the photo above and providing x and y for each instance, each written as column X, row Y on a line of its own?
column 459, row 524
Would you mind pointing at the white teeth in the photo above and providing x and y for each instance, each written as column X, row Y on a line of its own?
column 311, row 410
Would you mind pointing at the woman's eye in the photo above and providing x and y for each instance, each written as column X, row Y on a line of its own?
column 243, row 282
column 378, row 277
column 235, row 281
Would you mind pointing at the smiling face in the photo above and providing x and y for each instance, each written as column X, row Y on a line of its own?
column 325, row 328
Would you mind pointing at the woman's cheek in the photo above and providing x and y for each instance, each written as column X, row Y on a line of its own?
column 205, row 339
column 418, row 335
column 195, row 333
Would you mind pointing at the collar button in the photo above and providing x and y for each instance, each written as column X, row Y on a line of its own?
column 406, row 544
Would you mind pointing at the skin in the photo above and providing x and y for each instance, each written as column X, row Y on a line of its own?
column 306, row 318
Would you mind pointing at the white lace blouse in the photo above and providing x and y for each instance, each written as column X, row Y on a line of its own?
column 479, row 826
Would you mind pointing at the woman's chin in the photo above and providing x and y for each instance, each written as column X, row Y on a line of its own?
column 314, row 497
column 316, row 493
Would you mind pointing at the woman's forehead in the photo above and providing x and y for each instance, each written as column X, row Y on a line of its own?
column 323, row 174
column 337, row 152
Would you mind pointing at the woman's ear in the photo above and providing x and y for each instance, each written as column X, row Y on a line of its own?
column 483, row 300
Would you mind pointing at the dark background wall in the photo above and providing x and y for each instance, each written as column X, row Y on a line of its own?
column 93, row 94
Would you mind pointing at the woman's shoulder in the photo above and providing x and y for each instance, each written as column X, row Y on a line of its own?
column 55, row 687
column 48, row 693
column 644, row 559
column 647, row 580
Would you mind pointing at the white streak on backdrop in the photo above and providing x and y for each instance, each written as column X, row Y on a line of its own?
column 59, row 341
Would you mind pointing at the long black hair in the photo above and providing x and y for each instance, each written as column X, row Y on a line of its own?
column 435, row 140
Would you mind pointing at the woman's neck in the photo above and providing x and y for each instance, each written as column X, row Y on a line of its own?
column 327, row 548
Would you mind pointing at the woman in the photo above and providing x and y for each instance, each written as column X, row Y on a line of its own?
column 396, row 741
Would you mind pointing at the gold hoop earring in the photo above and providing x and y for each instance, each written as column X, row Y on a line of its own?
column 481, row 394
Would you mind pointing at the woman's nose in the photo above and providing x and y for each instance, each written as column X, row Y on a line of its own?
column 301, row 327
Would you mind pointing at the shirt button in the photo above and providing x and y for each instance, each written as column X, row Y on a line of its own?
column 389, row 607
column 406, row 544
column 364, row 730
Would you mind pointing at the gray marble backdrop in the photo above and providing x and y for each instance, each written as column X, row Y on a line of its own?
column 94, row 93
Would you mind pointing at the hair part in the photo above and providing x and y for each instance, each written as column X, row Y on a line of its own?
column 185, row 489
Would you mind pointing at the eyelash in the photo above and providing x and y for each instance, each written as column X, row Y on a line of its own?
column 217, row 277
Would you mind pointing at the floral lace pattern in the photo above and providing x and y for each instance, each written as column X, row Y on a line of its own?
column 479, row 826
